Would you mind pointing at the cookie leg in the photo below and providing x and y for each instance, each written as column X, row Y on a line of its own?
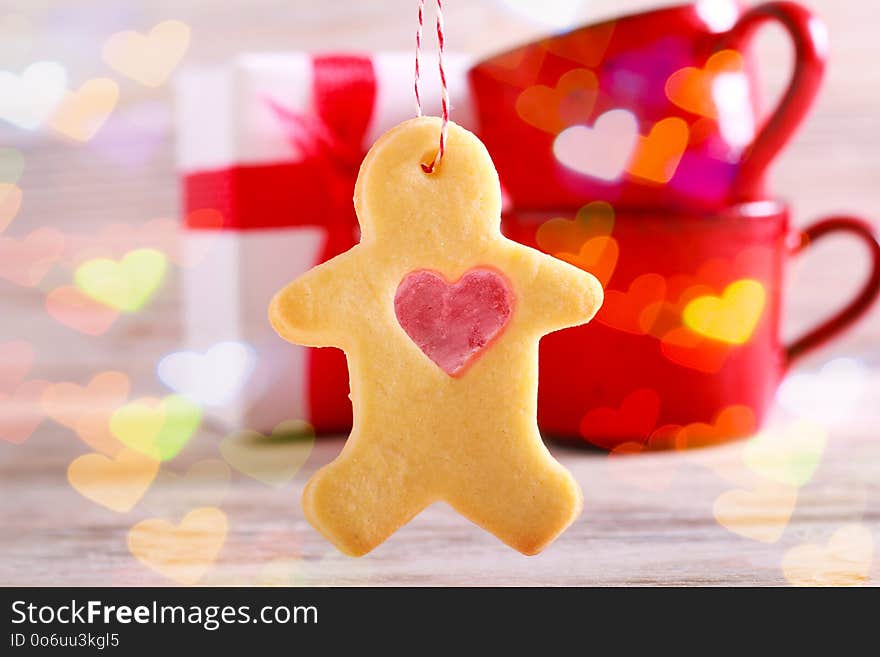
column 359, row 500
column 525, row 503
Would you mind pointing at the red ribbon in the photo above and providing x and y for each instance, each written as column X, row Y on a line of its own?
column 314, row 191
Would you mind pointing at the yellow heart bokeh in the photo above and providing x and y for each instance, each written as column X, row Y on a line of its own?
column 597, row 256
column 138, row 423
column 148, row 59
column 844, row 561
column 564, row 235
column 761, row 513
column 81, row 113
column 789, row 455
column 283, row 571
column 115, row 483
column 185, row 552
column 730, row 318
column 156, row 428
column 125, row 285
column 204, row 484
column 273, row 460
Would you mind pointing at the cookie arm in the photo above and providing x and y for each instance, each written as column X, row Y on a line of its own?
column 562, row 295
column 310, row 310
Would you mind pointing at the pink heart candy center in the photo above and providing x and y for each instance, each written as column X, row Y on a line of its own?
column 453, row 323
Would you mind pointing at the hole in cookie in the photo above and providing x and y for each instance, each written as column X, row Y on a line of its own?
column 427, row 161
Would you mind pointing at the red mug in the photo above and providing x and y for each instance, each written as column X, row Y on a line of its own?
column 686, row 349
column 657, row 109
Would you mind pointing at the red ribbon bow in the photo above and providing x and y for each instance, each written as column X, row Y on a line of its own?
column 315, row 190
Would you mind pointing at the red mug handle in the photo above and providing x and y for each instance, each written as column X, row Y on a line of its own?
column 810, row 44
column 858, row 306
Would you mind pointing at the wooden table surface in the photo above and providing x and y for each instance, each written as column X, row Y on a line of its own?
column 627, row 534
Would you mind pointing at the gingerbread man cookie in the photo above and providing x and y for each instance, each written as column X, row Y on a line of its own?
column 439, row 316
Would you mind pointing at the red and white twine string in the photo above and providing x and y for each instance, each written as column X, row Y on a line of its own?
column 429, row 168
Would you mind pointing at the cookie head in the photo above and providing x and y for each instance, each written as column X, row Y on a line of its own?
column 395, row 197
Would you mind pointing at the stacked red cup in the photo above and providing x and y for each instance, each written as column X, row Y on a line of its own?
column 636, row 149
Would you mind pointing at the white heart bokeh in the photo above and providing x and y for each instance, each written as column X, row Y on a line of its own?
column 27, row 100
column 602, row 151
column 214, row 378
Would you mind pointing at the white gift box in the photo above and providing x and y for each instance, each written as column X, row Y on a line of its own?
column 272, row 143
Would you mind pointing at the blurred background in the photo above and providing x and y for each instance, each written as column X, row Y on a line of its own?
column 126, row 174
